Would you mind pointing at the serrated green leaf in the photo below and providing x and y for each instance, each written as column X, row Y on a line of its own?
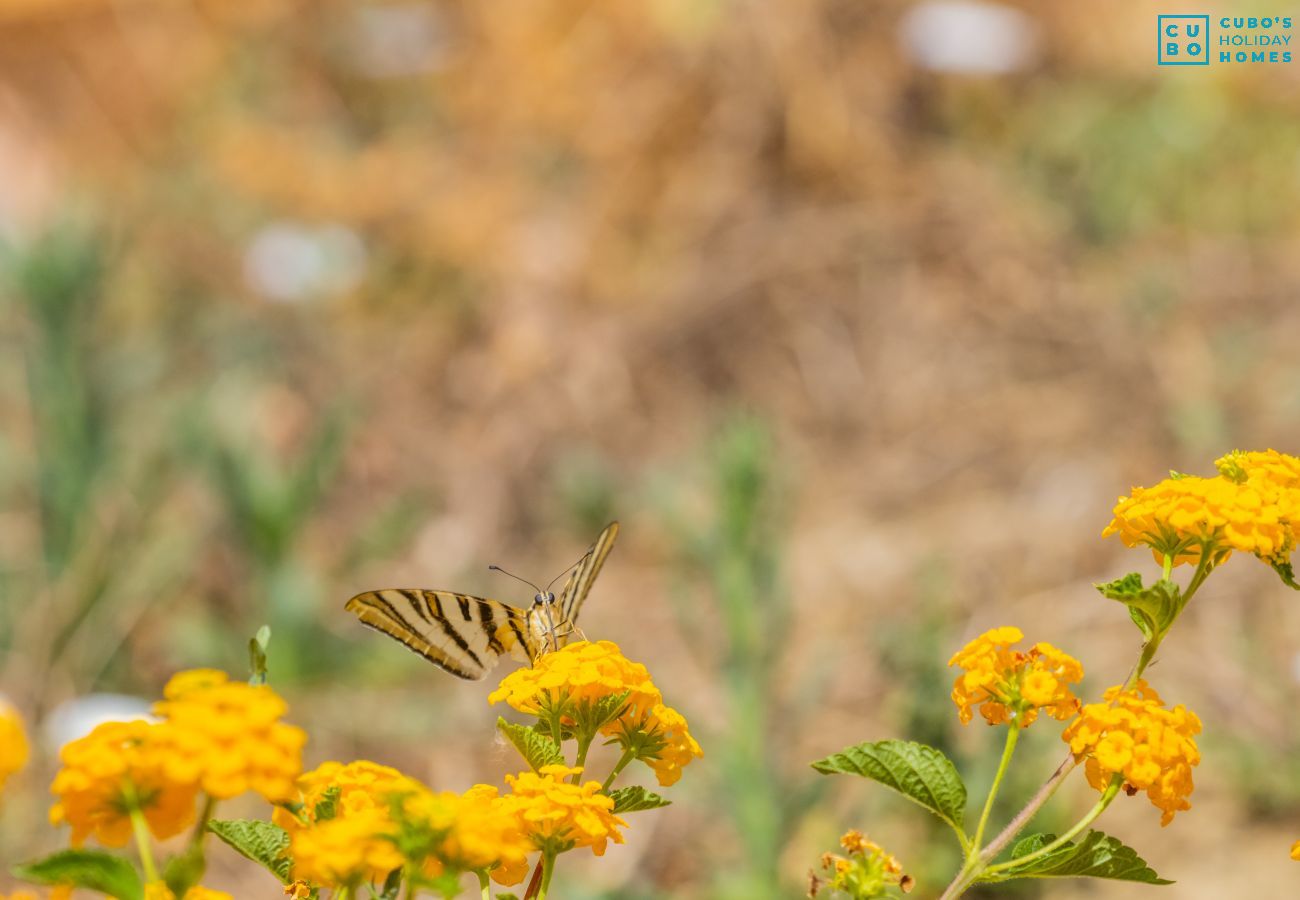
column 536, row 748
column 603, row 711
column 88, row 869
column 635, row 799
column 327, row 806
column 1286, row 573
column 920, row 773
column 1096, row 856
column 262, row 842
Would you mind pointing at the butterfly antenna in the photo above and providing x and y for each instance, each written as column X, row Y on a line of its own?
column 516, row 578
column 565, row 572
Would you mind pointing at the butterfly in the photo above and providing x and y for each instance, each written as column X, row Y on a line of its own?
column 467, row 635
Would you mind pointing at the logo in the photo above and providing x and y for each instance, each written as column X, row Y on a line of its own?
column 1183, row 40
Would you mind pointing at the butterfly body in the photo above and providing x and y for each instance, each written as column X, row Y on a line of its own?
column 467, row 635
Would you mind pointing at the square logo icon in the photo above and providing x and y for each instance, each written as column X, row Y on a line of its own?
column 1183, row 40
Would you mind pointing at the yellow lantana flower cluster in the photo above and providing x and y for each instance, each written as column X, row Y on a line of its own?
column 347, row 850
column 228, row 736
column 13, row 743
column 580, row 676
column 118, row 766
column 581, row 672
column 1252, row 506
column 1008, row 685
column 216, row 736
column 672, row 746
column 559, row 816
column 1133, row 735
column 349, row 842
column 473, row 832
column 867, row 873
column 350, row 817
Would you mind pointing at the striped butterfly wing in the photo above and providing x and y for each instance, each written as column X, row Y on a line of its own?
column 464, row 635
column 579, row 583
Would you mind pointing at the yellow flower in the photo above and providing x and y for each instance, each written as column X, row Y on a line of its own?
column 1295, row 851
column 298, row 890
column 115, row 766
column 346, row 850
column 869, row 872
column 474, row 831
column 358, row 787
column 157, row 890
column 1253, row 506
column 13, row 742
column 359, row 842
column 1133, row 735
column 229, row 736
column 558, row 816
column 1280, row 469
column 1007, row 684
column 660, row 738
column 579, row 673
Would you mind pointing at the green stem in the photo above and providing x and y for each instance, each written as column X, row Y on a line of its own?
column 1107, row 796
column 343, row 893
column 975, row 865
column 140, row 828
column 484, row 885
column 584, row 744
column 548, row 868
column 627, row 757
column 1013, row 735
column 201, row 826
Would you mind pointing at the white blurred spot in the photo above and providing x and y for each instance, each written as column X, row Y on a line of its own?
column 291, row 262
column 78, row 718
column 395, row 40
column 968, row 36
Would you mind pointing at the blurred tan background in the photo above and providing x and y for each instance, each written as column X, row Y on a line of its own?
column 858, row 315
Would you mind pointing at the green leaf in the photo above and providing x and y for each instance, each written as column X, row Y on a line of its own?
column 1286, row 573
column 920, row 773
column 392, row 885
column 536, row 748
column 1096, row 856
column 1153, row 609
column 257, row 655
column 88, row 869
column 635, row 799
column 327, row 806
column 507, row 896
column 185, row 869
column 262, row 842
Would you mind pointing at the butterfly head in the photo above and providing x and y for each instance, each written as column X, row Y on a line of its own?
column 543, row 600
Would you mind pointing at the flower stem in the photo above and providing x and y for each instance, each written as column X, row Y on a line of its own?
column 140, row 829
column 484, row 885
column 548, row 867
column 1107, row 796
column 972, row 869
column 627, row 757
column 1013, row 735
column 580, row 762
column 201, row 826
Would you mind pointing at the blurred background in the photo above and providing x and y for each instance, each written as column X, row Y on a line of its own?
column 858, row 315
